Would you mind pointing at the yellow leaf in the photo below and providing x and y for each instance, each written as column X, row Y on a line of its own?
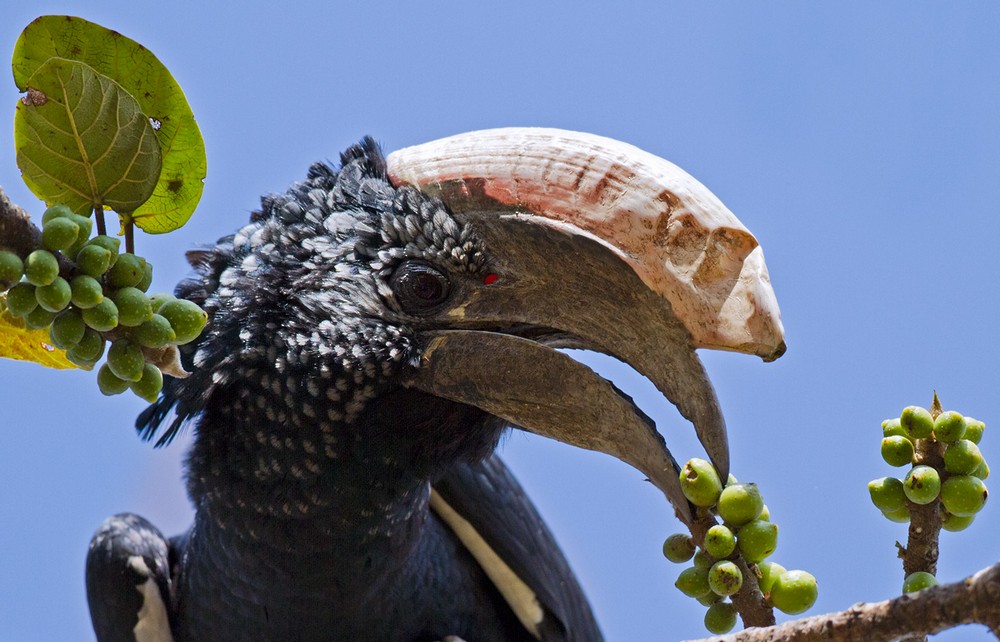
column 18, row 342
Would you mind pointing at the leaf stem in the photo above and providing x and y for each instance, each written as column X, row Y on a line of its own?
column 99, row 220
column 129, row 238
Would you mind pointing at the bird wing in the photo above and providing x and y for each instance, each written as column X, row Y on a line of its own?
column 128, row 580
column 490, row 513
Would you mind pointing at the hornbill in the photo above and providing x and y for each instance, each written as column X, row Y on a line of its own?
column 373, row 332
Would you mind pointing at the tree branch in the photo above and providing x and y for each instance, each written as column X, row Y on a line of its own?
column 17, row 233
column 974, row 600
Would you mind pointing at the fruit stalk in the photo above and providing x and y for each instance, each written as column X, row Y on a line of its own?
column 921, row 552
column 749, row 602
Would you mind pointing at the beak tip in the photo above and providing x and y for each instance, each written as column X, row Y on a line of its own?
column 776, row 354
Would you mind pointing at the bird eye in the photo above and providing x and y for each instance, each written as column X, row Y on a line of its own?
column 419, row 286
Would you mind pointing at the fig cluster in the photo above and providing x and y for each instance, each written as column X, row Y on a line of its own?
column 746, row 531
column 955, row 478
column 92, row 298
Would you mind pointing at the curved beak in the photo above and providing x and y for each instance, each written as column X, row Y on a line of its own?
column 564, row 282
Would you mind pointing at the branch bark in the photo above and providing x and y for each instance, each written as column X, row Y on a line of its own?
column 974, row 600
column 17, row 233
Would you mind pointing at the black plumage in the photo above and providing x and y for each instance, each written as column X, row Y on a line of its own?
column 312, row 465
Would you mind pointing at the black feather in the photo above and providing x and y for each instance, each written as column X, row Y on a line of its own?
column 311, row 466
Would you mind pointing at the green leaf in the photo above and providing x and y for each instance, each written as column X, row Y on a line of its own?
column 18, row 342
column 83, row 141
column 159, row 96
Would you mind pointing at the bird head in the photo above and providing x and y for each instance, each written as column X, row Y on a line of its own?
column 456, row 269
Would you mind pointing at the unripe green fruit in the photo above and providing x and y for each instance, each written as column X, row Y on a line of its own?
column 720, row 541
column 962, row 458
column 922, row 484
column 983, row 471
column 86, row 291
column 21, row 299
column 93, row 260
column 126, row 360
column 11, row 269
column 156, row 332
column 84, row 225
column 693, row 582
column 757, row 540
column 949, row 426
column 109, row 383
column 897, row 451
column 769, row 572
column 974, row 429
column 55, row 296
column 67, row 329
column 88, row 350
column 794, row 592
column 147, row 277
column 916, row 422
column 699, row 481
column 159, row 298
column 73, row 357
column 725, row 578
column 133, row 306
column 900, row 515
column 918, row 581
column 56, row 211
column 127, row 271
column 39, row 318
column 963, row 495
column 703, row 560
column 887, row 493
column 678, row 548
column 708, row 599
column 103, row 316
column 41, row 267
column 891, row 427
column 720, row 618
column 955, row 523
column 149, row 385
column 740, row 504
column 188, row 320
column 109, row 243
column 765, row 514
column 59, row 234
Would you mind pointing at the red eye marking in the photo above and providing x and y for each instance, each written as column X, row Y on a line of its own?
column 490, row 279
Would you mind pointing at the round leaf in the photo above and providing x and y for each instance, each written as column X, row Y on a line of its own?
column 83, row 141
column 159, row 96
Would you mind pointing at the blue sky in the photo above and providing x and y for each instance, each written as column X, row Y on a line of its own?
column 859, row 141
